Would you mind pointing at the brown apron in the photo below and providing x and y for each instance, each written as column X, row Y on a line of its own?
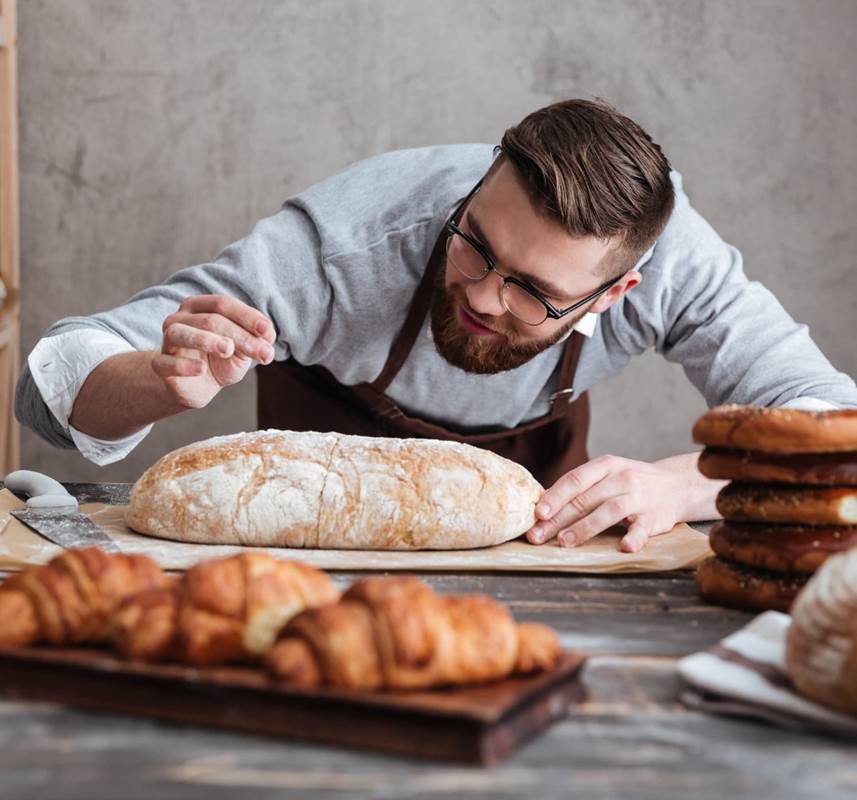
column 295, row 397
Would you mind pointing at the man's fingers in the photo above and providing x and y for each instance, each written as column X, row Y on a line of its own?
column 578, row 507
column 195, row 330
column 178, row 335
column 541, row 533
column 246, row 317
column 167, row 366
column 638, row 534
column 573, row 483
column 545, row 530
column 266, row 330
column 605, row 516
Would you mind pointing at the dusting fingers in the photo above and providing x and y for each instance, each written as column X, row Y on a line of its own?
column 167, row 366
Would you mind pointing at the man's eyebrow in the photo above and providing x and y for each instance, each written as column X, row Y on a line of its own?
column 546, row 287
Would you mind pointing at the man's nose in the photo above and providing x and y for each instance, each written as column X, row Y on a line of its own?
column 484, row 296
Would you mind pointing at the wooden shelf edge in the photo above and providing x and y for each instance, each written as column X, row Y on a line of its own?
column 9, row 319
column 10, row 307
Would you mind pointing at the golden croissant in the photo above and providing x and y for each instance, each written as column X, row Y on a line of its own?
column 227, row 609
column 69, row 600
column 395, row 632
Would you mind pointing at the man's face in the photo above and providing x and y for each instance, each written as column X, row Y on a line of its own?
column 471, row 327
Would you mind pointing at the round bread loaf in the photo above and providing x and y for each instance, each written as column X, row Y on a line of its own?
column 734, row 585
column 328, row 490
column 811, row 505
column 781, row 548
column 821, row 646
column 830, row 469
column 778, row 430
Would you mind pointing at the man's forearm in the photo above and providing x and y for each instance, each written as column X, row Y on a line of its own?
column 121, row 396
column 700, row 492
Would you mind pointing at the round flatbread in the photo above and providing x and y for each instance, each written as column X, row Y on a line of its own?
column 780, row 548
column 810, row 505
column 729, row 584
column 822, row 469
column 778, row 430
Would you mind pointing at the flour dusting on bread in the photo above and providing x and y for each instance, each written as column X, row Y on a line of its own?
column 306, row 489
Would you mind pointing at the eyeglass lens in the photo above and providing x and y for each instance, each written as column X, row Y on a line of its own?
column 471, row 263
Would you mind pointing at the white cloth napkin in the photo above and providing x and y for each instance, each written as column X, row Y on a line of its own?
column 745, row 674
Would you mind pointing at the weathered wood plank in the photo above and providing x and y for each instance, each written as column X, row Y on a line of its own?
column 477, row 724
column 630, row 739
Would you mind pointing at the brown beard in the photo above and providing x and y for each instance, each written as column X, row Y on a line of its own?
column 473, row 353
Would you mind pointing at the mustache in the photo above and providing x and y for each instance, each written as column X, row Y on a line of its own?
column 465, row 306
column 477, row 318
column 472, row 353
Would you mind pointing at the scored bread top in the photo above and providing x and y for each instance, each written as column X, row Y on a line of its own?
column 777, row 430
column 306, row 489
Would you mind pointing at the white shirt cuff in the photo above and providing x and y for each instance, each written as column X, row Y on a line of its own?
column 106, row 451
column 809, row 404
column 60, row 365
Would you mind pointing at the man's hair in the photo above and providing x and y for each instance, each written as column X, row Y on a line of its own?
column 596, row 172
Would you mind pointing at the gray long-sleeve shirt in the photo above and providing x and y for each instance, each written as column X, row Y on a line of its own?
column 335, row 270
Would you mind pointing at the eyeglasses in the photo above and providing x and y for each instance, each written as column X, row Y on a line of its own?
column 522, row 301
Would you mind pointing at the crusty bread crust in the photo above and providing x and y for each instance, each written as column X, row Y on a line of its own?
column 821, row 646
column 799, row 505
column 328, row 490
column 778, row 430
column 780, row 548
column 729, row 584
column 820, row 469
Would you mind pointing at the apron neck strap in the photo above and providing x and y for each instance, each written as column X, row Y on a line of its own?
column 407, row 335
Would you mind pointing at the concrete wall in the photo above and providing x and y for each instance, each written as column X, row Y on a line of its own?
column 152, row 134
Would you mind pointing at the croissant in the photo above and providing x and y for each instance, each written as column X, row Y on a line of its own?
column 395, row 632
column 69, row 599
column 227, row 609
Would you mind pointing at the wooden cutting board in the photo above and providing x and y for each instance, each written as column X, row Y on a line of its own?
column 482, row 724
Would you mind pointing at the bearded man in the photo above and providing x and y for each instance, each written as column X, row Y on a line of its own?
column 464, row 292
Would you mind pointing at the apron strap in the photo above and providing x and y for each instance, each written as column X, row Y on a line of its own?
column 407, row 335
column 565, row 395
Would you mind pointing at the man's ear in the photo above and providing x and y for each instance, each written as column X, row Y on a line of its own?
column 627, row 282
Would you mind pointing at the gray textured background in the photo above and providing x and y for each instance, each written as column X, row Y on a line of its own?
column 153, row 134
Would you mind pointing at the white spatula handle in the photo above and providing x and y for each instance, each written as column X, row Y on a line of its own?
column 44, row 492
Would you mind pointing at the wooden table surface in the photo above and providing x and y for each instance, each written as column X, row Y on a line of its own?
column 631, row 738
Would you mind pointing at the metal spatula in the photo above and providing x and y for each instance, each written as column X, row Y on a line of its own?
column 53, row 513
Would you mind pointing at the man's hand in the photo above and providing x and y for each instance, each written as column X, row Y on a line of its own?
column 648, row 498
column 209, row 343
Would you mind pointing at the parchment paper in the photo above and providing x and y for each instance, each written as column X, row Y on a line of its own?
column 681, row 548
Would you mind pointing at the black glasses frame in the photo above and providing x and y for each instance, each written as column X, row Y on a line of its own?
column 490, row 266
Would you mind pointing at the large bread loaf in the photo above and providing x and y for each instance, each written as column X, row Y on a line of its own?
column 328, row 490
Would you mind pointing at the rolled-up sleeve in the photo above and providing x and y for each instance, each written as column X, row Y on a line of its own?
column 58, row 366
column 276, row 269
